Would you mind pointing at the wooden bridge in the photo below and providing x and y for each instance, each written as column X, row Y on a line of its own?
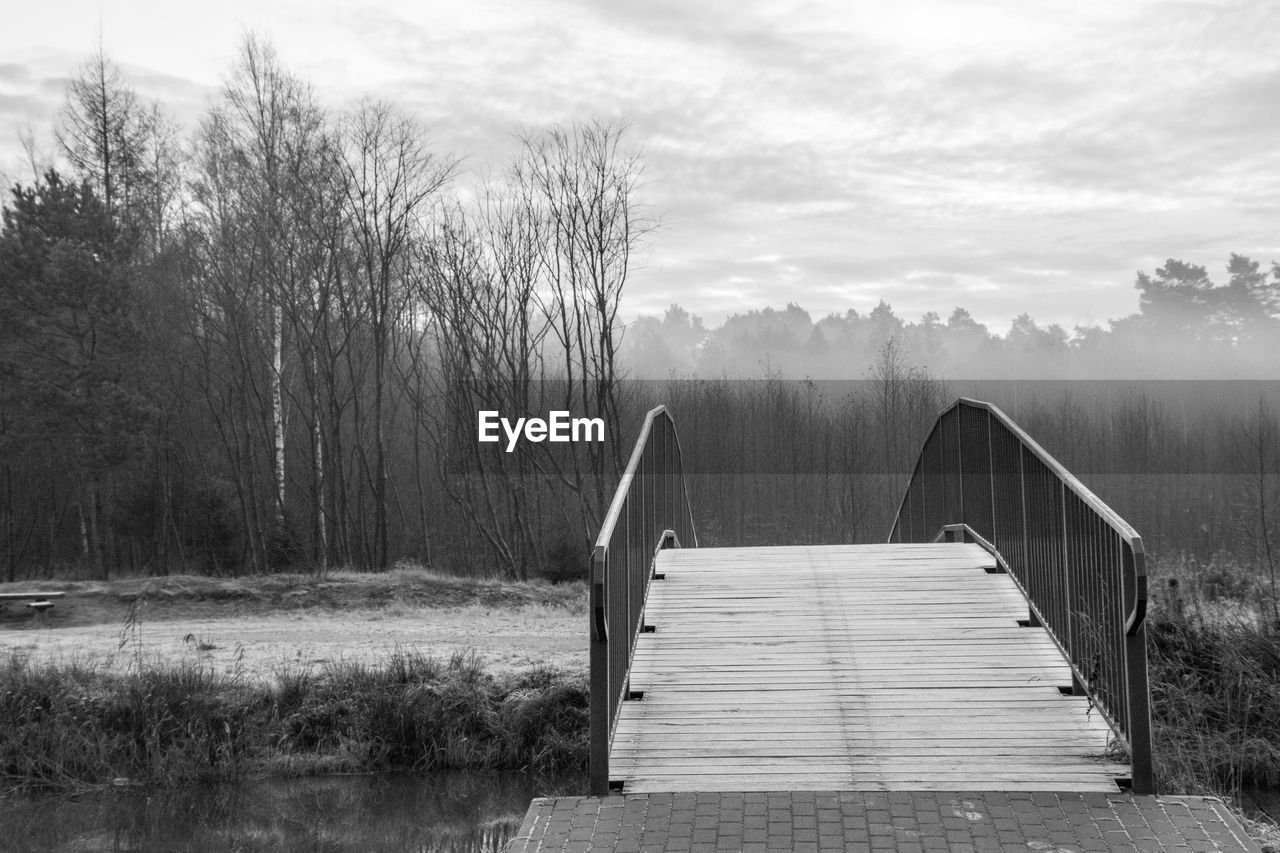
column 995, row 643
column 978, row 682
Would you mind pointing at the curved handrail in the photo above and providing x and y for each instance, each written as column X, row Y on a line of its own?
column 1072, row 482
column 649, row 511
column 629, row 473
column 1080, row 565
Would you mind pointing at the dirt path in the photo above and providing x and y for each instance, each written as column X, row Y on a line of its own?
column 261, row 645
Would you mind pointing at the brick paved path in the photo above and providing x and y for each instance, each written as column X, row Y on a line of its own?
column 873, row 821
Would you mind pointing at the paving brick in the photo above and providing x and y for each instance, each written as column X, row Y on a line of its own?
column 903, row 821
column 702, row 836
column 1117, row 840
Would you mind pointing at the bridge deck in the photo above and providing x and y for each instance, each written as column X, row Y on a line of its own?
column 870, row 667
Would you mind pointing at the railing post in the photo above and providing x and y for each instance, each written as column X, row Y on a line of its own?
column 960, row 458
column 637, row 486
column 1143, row 779
column 1066, row 582
column 601, row 712
column 1026, row 529
column 994, row 535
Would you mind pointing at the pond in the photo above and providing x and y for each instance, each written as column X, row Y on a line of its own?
column 445, row 812
column 1261, row 804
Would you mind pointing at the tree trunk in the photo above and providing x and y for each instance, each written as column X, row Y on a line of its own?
column 277, row 421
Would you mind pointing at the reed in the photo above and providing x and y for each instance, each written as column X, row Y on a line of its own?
column 65, row 726
column 1216, row 704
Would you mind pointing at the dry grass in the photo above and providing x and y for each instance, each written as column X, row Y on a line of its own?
column 255, row 626
column 184, row 678
column 71, row 726
column 1214, row 659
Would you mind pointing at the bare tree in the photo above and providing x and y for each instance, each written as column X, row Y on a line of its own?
column 480, row 273
column 580, row 183
column 522, row 290
column 102, row 130
column 904, row 402
column 391, row 178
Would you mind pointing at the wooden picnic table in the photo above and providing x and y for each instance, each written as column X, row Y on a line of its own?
column 29, row 596
column 38, row 602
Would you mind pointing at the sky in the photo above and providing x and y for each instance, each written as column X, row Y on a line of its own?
column 1006, row 156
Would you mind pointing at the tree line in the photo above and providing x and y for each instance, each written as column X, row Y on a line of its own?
column 1187, row 326
column 262, row 344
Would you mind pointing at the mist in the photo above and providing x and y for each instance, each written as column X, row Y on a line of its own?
column 1189, row 326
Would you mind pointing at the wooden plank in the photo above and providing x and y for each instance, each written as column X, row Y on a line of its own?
column 850, row 667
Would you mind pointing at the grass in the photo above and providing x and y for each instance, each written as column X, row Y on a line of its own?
column 1223, row 589
column 77, row 725
column 1214, row 670
column 1215, row 694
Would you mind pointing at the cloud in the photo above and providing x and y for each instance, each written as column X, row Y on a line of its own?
column 13, row 74
column 1006, row 155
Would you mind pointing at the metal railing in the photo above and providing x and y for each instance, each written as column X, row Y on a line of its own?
column 650, row 511
column 1080, row 566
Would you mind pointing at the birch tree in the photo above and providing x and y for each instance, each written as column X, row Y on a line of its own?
column 259, row 146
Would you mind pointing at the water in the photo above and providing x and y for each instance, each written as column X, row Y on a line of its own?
column 445, row 812
column 1261, row 803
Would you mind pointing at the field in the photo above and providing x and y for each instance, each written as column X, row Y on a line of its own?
column 179, row 679
column 260, row 627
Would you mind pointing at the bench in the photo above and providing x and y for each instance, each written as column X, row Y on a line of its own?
column 29, row 596
column 38, row 602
